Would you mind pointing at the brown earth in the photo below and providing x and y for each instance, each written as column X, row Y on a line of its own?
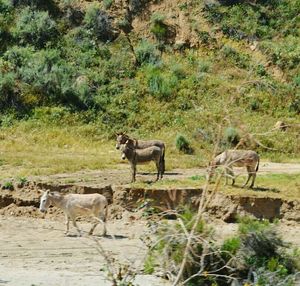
column 33, row 245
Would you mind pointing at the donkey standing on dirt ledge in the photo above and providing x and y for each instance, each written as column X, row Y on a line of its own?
column 141, row 144
column 75, row 205
column 239, row 158
column 141, row 156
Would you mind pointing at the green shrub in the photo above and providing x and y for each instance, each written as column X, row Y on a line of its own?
column 284, row 53
column 161, row 85
column 158, row 27
column 183, row 145
column 146, row 53
column 35, row 28
column 231, row 136
column 248, row 224
column 8, row 186
column 99, row 23
column 230, row 247
column 107, row 3
column 204, row 66
column 7, row 90
column 240, row 59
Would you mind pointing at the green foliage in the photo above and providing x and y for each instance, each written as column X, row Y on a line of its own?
column 285, row 53
column 159, row 28
column 161, row 85
column 248, row 224
column 107, row 3
column 183, row 145
column 8, row 185
column 230, row 53
column 231, row 246
column 149, row 265
column 231, row 136
column 34, row 28
column 146, row 53
column 22, row 181
column 99, row 24
column 204, row 66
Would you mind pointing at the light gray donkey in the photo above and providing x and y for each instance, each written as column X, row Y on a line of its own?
column 142, row 144
column 75, row 205
column 239, row 158
column 141, row 156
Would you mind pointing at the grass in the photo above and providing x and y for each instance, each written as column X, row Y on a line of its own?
column 273, row 185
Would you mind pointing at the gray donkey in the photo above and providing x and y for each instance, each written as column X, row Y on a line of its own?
column 142, row 144
column 141, row 156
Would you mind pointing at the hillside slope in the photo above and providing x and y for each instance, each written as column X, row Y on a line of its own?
column 154, row 68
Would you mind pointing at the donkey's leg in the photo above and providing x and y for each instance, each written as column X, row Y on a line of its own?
column 162, row 167
column 253, row 178
column 93, row 228
column 75, row 225
column 230, row 174
column 158, row 168
column 133, row 172
column 67, row 224
column 249, row 171
column 102, row 220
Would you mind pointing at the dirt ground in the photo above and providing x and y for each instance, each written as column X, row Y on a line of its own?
column 35, row 251
column 122, row 175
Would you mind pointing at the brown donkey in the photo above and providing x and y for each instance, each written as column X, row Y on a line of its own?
column 141, row 156
column 141, row 144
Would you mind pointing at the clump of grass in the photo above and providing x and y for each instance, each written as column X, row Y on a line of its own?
column 8, row 186
column 183, row 145
column 159, row 28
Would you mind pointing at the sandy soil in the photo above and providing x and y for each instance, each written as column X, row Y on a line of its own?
column 36, row 252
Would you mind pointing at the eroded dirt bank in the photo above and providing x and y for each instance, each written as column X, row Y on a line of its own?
column 25, row 201
column 33, row 245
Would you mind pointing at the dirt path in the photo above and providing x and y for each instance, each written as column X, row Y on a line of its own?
column 36, row 252
column 122, row 175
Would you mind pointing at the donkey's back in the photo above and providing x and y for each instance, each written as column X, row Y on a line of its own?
column 152, row 153
column 239, row 158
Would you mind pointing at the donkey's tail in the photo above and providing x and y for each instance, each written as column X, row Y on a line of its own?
column 257, row 165
column 163, row 160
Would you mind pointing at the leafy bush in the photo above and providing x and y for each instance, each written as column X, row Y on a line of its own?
column 107, row 3
column 231, row 136
column 35, row 28
column 161, row 85
column 183, row 145
column 99, row 23
column 240, row 59
column 146, row 53
column 284, row 53
column 255, row 256
column 7, row 90
column 159, row 28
